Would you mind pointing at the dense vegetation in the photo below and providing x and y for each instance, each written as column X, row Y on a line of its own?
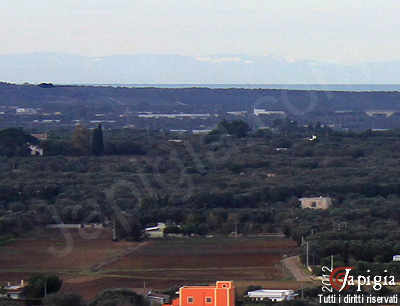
column 40, row 285
column 81, row 100
column 14, row 142
column 61, row 299
column 115, row 297
column 218, row 183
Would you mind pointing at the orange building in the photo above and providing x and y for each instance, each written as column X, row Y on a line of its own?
column 222, row 294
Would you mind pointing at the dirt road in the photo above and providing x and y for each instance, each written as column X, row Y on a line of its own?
column 295, row 267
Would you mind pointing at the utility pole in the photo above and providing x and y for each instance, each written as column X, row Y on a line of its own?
column 114, row 228
column 307, row 255
column 302, row 294
column 236, row 229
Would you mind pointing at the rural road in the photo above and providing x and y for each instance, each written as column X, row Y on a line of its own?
column 295, row 267
column 97, row 267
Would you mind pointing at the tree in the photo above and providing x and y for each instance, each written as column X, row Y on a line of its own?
column 172, row 229
column 253, row 288
column 15, row 142
column 3, row 291
column 97, row 141
column 40, row 285
column 238, row 128
column 80, row 140
column 46, row 85
column 62, row 299
column 116, row 297
column 127, row 226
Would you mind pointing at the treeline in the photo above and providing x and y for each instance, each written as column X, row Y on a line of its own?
column 81, row 142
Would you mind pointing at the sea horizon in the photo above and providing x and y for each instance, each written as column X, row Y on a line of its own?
column 320, row 87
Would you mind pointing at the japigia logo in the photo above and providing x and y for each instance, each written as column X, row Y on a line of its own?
column 340, row 279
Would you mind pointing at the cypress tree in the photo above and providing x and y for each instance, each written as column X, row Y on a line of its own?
column 97, row 141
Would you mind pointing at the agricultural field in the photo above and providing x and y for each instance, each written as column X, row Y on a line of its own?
column 209, row 252
column 89, row 262
column 53, row 250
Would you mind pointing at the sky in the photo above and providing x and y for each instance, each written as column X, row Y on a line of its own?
column 343, row 31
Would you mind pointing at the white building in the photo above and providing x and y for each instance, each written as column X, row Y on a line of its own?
column 396, row 258
column 174, row 116
column 273, row 295
column 13, row 291
column 25, row 111
column 262, row 111
column 156, row 231
column 35, row 150
column 238, row 113
column 197, row 132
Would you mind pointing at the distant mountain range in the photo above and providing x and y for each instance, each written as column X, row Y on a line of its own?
column 221, row 69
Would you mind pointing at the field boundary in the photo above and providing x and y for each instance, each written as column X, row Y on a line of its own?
column 189, row 269
column 97, row 267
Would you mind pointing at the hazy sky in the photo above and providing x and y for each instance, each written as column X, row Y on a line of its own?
column 337, row 30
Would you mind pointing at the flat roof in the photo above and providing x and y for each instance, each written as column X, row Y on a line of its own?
column 271, row 292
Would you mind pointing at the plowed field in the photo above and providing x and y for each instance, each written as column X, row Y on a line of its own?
column 157, row 264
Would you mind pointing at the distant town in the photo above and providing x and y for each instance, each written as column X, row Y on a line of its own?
column 192, row 110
